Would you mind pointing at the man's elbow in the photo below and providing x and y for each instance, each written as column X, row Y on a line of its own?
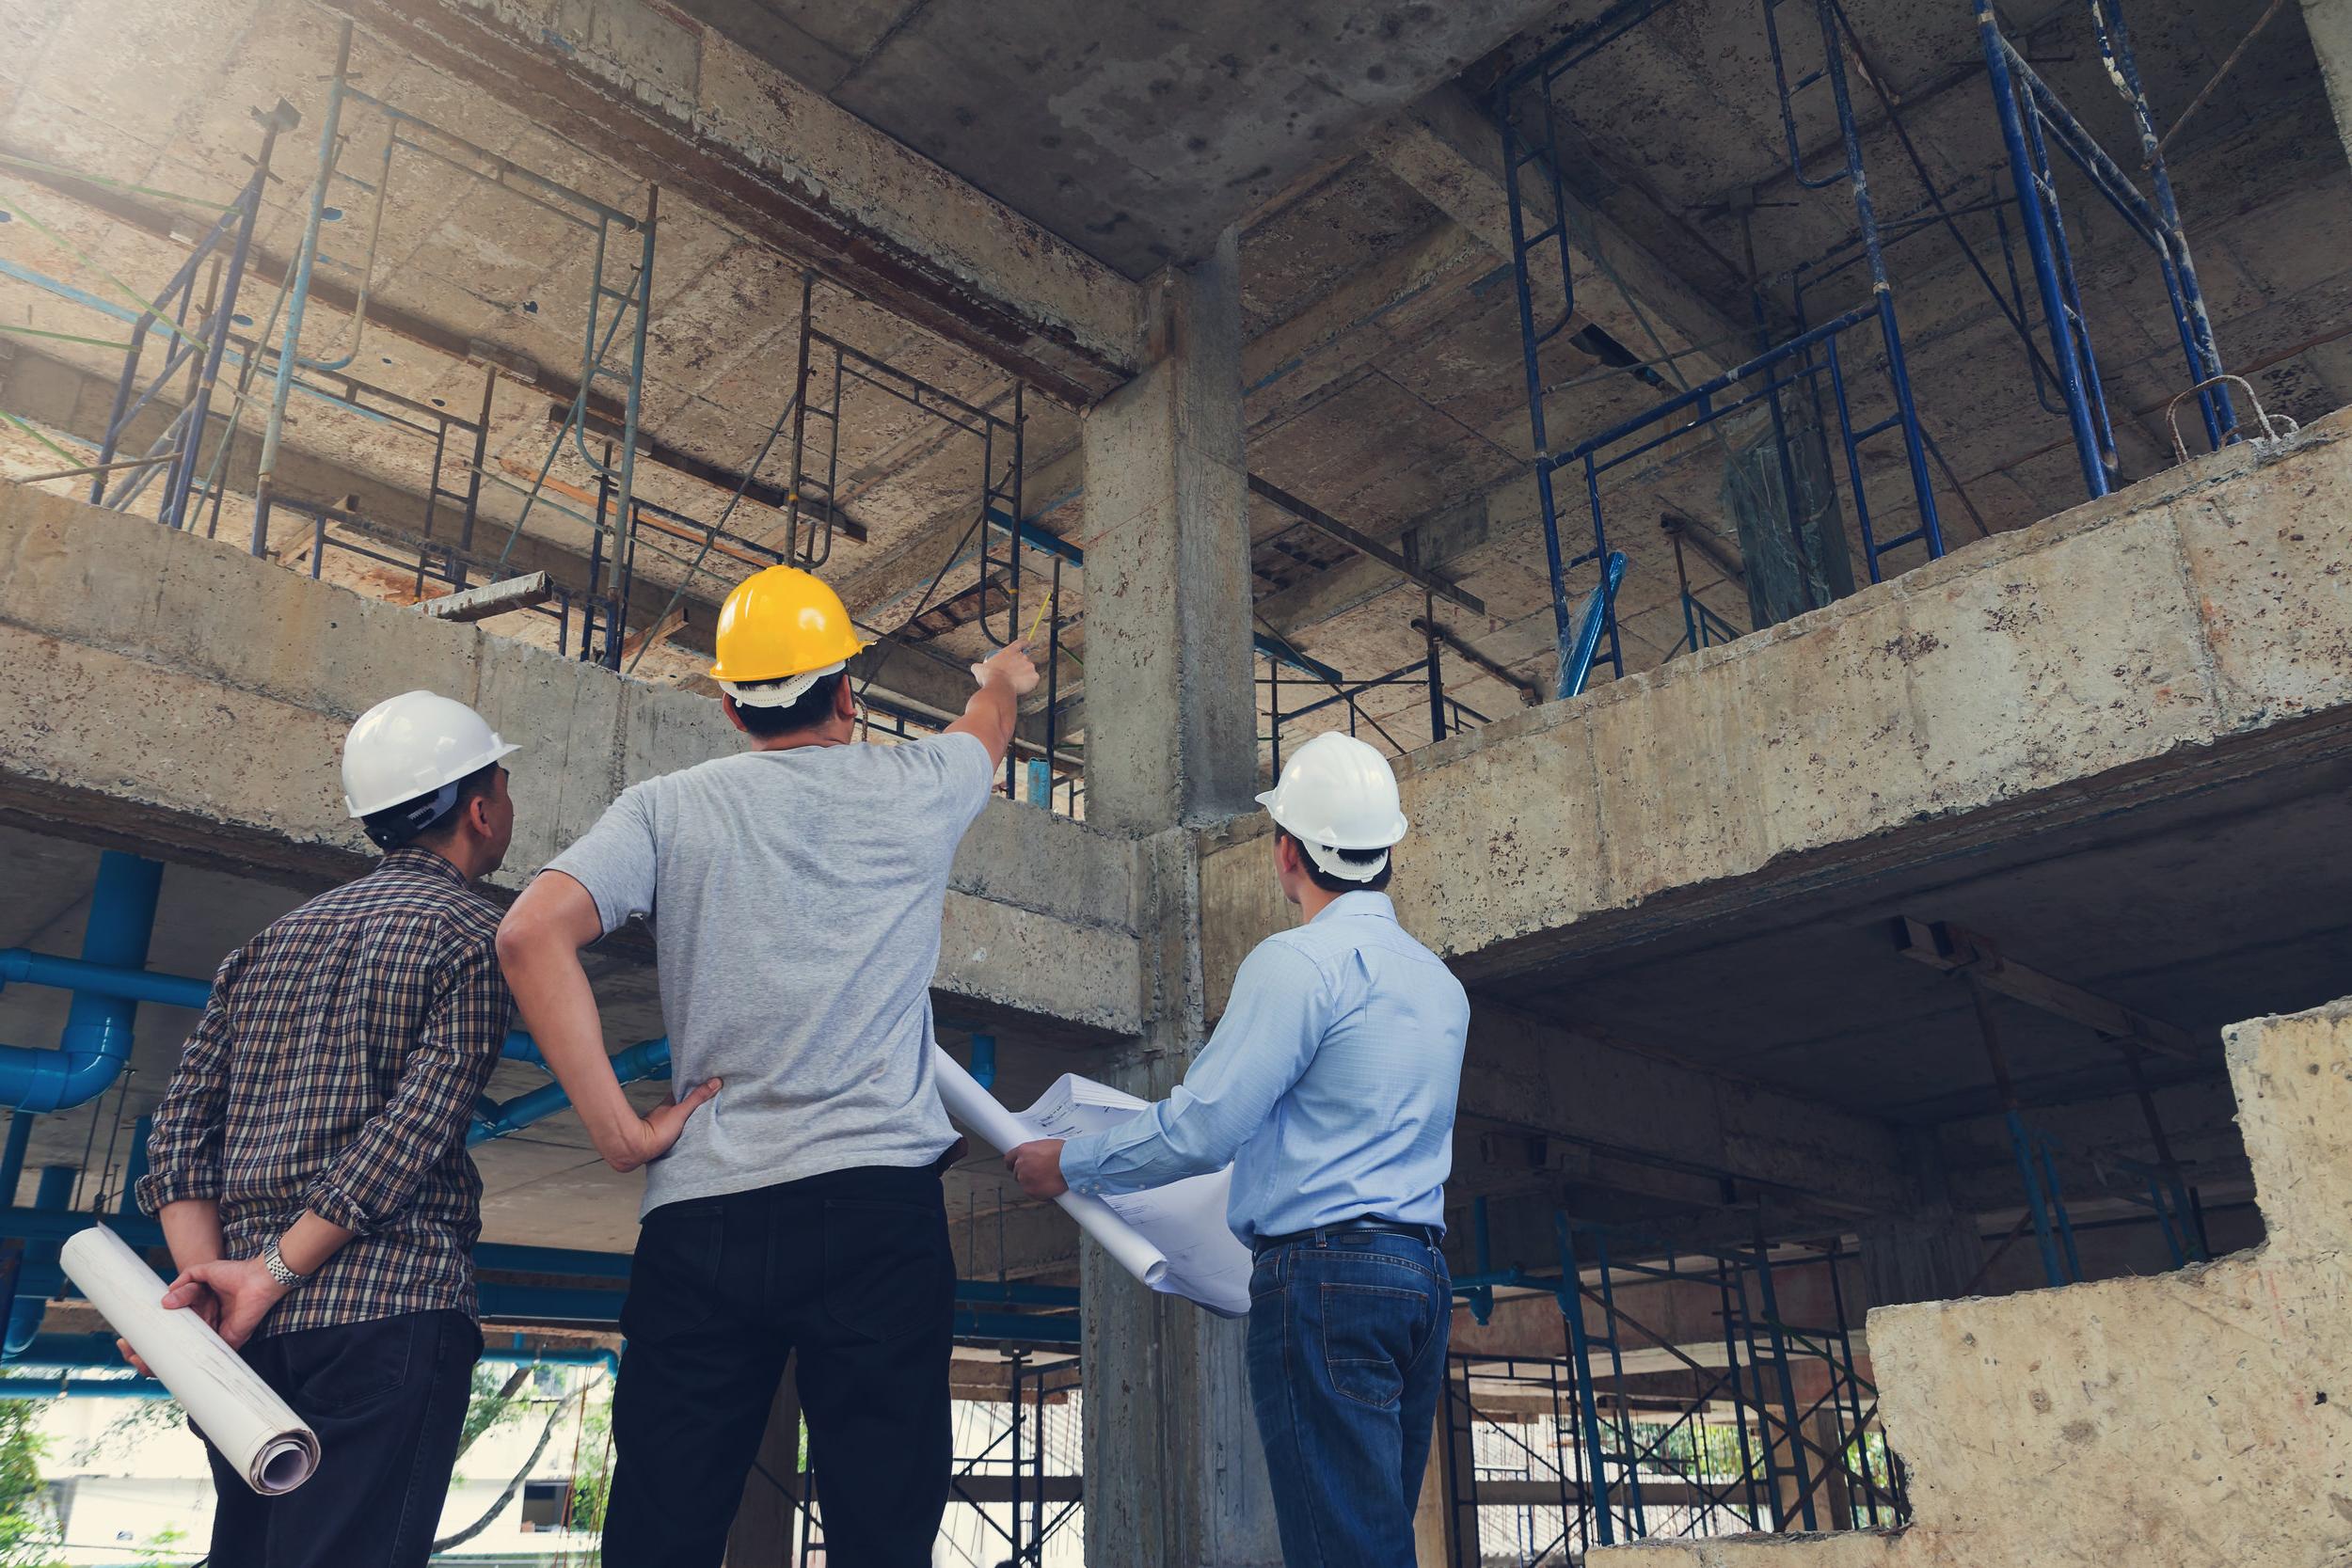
column 522, row 937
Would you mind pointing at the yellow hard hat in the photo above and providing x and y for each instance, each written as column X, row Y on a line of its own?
column 779, row 623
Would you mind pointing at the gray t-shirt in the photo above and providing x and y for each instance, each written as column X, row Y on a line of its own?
column 796, row 899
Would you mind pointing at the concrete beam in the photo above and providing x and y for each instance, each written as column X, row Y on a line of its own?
column 1537, row 1077
column 183, row 697
column 2129, row 650
column 678, row 105
column 1447, row 148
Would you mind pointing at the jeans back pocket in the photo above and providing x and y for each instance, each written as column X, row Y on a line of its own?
column 1371, row 1333
column 888, row 1268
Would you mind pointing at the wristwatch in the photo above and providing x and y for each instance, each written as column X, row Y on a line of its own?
column 271, row 1260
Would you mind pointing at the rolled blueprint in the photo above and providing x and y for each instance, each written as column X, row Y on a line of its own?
column 978, row 1110
column 259, row 1436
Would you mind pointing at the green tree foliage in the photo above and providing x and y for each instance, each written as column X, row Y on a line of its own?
column 28, row 1526
column 592, row 1480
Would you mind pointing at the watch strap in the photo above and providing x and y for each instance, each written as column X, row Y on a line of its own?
column 275, row 1262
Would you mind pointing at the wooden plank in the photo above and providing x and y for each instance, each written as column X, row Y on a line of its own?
column 998, row 1489
column 1955, row 949
column 491, row 598
column 1321, row 522
column 669, row 626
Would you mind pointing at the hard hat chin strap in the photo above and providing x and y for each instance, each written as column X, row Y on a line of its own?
column 397, row 825
column 1346, row 870
column 780, row 693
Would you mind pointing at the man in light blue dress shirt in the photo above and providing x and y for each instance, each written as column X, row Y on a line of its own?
column 1329, row 1086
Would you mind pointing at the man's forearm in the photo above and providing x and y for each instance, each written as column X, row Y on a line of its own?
column 309, row 1242
column 192, row 1231
column 557, row 1002
column 990, row 715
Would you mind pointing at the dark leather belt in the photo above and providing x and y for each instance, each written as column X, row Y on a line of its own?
column 1428, row 1234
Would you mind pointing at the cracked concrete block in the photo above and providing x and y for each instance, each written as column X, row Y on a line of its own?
column 1523, row 807
column 2052, row 666
column 2270, row 556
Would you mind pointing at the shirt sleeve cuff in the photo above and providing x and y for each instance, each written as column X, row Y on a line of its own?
column 158, row 1188
column 1081, row 1165
column 336, row 1208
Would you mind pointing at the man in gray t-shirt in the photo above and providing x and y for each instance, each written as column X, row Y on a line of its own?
column 795, row 893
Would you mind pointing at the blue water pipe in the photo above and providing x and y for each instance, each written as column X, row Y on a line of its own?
column 984, row 1060
column 107, row 989
column 97, row 1038
column 40, row 1257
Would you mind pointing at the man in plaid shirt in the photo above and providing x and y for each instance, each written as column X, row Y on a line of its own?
column 309, row 1161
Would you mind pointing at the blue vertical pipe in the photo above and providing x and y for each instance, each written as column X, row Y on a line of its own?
column 1866, row 215
column 298, row 299
column 12, row 1161
column 2029, row 218
column 25, row 1314
column 97, row 1038
column 1040, row 784
column 134, row 1168
column 984, row 1060
column 2115, row 43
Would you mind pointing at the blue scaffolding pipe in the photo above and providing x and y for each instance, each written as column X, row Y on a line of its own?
column 2026, row 106
column 1576, row 660
column 298, row 299
column 646, row 1059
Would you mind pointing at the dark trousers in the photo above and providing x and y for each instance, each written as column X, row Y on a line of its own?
column 1347, row 1340
column 387, row 1399
column 852, row 1270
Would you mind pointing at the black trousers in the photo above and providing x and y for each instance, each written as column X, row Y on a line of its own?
column 852, row 1270
column 387, row 1399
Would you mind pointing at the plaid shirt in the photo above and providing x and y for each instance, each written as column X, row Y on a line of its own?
column 336, row 1069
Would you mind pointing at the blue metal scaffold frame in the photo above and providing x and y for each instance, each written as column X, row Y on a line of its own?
column 1786, row 1465
column 2033, row 118
column 1780, row 368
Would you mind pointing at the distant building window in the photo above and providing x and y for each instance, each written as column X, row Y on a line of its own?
column 547, row 1504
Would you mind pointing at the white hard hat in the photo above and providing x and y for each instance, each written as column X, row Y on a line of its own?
column 412, row 747
column 1337, row 793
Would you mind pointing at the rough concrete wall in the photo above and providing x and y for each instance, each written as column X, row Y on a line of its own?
column 178, row 695
column 2136, row 640
column 2190, row 1420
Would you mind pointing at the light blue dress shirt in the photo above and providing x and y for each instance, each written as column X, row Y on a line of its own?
column 1329, row 1084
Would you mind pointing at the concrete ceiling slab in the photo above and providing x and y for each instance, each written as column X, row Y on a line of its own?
column 1136, row 132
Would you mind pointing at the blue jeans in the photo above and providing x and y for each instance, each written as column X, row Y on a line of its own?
column 1347, row 1337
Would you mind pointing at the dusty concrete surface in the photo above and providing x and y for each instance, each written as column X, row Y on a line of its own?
column 2180, row 1421
column 166, row 692
column 2130, row 643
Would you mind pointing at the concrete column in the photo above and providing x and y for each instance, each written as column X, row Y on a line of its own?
column 762, row 1535
column 1171, row 724
column 1931, row 1253
column 2330, row 24
column 1174, row 1474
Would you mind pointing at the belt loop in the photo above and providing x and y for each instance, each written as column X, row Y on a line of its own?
column 1323, row 1236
